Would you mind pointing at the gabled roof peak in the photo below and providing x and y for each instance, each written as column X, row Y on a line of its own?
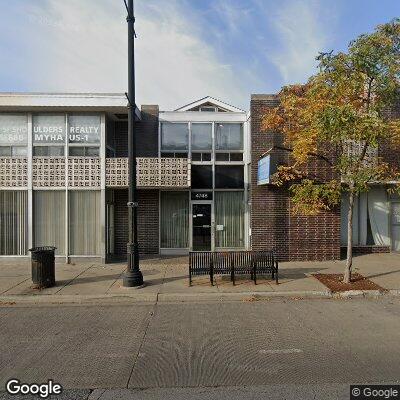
column 209, row 100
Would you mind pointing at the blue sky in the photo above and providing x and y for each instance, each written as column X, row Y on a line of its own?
column 186, row 49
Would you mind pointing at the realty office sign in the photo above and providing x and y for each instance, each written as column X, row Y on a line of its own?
column 84, row 129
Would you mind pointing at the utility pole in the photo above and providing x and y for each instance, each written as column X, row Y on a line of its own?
column 133, row 276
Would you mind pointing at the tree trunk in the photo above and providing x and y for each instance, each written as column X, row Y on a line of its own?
column 349, row 261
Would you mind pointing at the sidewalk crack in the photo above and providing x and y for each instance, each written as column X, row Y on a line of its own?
column 143, row 339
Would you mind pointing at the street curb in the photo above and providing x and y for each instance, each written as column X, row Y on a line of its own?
column 158, row 298
column 78, row 299
column 239, row 296
column 153, row 298
column 362, row 293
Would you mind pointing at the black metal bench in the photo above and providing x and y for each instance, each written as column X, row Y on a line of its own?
column 232, row 263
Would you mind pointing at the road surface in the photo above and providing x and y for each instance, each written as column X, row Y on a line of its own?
column 261, row 349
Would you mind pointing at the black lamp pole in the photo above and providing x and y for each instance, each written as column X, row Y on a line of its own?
column 133, row 276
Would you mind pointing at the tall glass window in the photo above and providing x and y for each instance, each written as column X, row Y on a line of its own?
column 229, row 136
column 229, row 219
column 48, row 129
column 84, row 129
column 13, row 222
column 174, row 136
column 201, row 136
column 13, row 134
column 174, row 220
column 49, row 219
column 84, row 222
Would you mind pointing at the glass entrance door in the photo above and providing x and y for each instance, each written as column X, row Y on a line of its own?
column 201, row 227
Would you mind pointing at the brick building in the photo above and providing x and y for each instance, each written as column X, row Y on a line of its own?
column 64, row 178
column 376, row 225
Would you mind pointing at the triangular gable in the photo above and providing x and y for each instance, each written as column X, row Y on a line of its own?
column 209, row 101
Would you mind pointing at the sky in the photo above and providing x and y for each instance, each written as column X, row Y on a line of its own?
column 185, row 49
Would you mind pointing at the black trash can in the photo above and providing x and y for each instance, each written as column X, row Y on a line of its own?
column 43, row 268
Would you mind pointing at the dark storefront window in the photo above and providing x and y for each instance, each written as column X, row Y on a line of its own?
column 229, row 176
column 201, row 177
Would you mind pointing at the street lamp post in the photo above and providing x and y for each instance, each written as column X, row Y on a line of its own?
column 133, row 276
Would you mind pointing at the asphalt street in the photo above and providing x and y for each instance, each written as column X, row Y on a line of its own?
column 283, row 349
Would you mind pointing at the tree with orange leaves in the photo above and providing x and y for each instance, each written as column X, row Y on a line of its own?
column 342, row 106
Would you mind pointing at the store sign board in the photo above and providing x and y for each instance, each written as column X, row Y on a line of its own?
column 264, row 170
column 13, row 129
column 84, row 129
column 48, row 129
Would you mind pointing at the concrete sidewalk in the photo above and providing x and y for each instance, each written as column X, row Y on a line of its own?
column 166, row 280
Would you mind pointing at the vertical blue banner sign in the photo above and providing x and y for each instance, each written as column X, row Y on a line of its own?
column 263, row 173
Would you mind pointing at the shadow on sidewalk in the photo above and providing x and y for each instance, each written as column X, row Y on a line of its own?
column 383, row 274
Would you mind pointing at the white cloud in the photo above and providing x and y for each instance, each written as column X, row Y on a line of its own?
column 300, row 28
column 80, row 45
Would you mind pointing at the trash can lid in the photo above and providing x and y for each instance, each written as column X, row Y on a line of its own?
column 43, row 248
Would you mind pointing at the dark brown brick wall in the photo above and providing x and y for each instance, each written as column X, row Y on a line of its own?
column 273, row 224
column 121, row 139
column 148, row 221
column 269, row 204
column 146, row 134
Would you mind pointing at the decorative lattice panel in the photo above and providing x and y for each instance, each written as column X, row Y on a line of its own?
column 83, row 172
column 48, row 171
column 117, row 172
column 148, row 172
column 13, row 172
column 174, row 172
column 151, row 172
